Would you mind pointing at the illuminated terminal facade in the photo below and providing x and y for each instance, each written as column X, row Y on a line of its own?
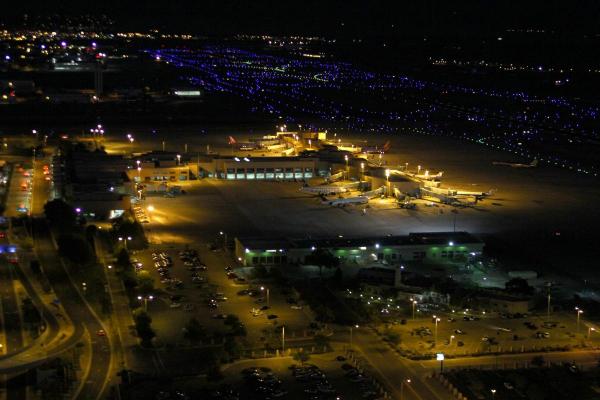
column 262, row 168
column 433, row 247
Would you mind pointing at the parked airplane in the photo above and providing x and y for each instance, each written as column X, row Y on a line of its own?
column 477, row 195
column 323, row 190
column 532, row 164
column 376, row 149
column 428, row 176
column 349, row 201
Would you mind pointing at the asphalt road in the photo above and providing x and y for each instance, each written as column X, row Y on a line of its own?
column 392, row 370
column 13, row 328
column 73, row 303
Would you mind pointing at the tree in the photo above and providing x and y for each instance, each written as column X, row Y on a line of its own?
column 538, row 361
column 193, row 331
column 322, row 258
column 145, row 283
column 123, row 259
column 232, row 347
column 143, row 326
column 75, row 248
column 60, row 214
column 301, row 356
column 321, row 341
column 237, row 328
column 518, row 286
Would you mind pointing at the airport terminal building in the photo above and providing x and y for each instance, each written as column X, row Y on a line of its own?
column 260, row 168
column 434, row 247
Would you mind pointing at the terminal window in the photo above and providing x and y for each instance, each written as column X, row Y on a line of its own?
column 230, row 173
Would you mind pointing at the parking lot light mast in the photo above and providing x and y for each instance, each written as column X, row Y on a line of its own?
column 414, row 303
column 223, row 236
column 268, row 292
column 579, row 312
column 404, row 381
column 145, row 298
column 346, row 159
column 125, row 240
column 436, row 320
column 351, row 342
column 387, row 179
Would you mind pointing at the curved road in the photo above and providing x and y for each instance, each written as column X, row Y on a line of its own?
column 79, row 312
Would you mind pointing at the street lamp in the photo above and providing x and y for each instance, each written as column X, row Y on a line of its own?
column 404, row 381
column 590, row 330
column 268, row 291
column 579, row 312
column 351, row 328
column 84, row 287
column 282, row 339
column 387, row 179
column 224, row 238
column 178, row 159
column 436, row 320
column 362, row 171
column 418, row 169
column 346, row 159
column 309, row 144
column 451, row 339
column 414, row 303
column 493, row 393
column 145, row 298
column 121, row 239
column 139, row 169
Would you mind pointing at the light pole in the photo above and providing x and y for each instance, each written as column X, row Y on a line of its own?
column 404, row 381
column 145, row 298
column 268, row 291
column 362, row 171
column 178, row 159
column 139, row 169
column 493, row 393
column 451, row 339
column 436, row 320
column 548, row 311
column 84, row 287
column 224, row 238
column 282, row 339
column 414, row 303
column 309, row 144
column 351, row 342
column 387, row 180
column 121, row 239
column 346, row 159
column 579, row 312
column 418, row 169
column 590, row 330
column 406, row 166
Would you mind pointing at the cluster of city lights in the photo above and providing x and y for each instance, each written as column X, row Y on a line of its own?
column 341, row 96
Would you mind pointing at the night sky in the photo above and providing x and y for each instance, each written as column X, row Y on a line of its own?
column 465, row 18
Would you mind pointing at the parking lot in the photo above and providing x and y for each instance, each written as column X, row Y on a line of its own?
column 199, row 283
column 325, row 376
column 460, row 334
